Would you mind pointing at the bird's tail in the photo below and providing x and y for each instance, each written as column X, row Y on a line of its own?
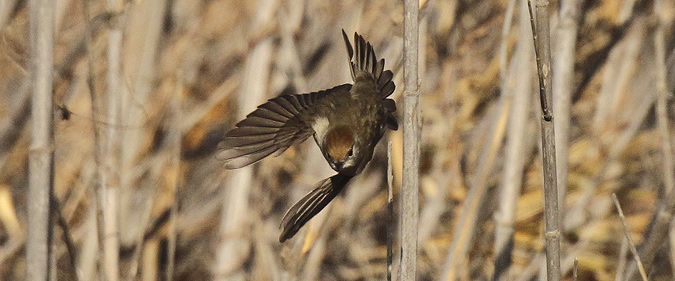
column 365, row 62
column 311, row 204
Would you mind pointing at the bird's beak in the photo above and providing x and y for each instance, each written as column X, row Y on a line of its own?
column 337, row 166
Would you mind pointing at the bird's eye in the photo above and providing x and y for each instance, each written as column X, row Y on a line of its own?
column 351, row 152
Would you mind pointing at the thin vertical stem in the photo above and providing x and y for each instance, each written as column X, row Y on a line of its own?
column 629, row 238
column 671, row 240
column 175, row 151
column 562, row 89
column 663, row 216
column 662, row 97
column 99, row 149
column 41, row 157
column 517, row 92
column 111, row 244
column 575, row 269
column 67, row 237
column 390, row 213
column 621, row 267
column 542, row 46
column 411, row 148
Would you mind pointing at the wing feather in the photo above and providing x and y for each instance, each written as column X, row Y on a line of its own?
column 273, row 127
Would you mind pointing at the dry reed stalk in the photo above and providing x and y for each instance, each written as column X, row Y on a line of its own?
column 581, row 247
column 150, row 260
column 435, row 206
column 466, row 225
column 627, row 14
column 10, row 249
column 89, row 247
column 617, row 78
column 266, row 258
column 411, row 143
column 621, row 268
column 11, row 129
column 41, row 155
column 563, row 84
column 102, row 176
column 315, row 256
column 503, row 46
column 391, row 220
column 234, row 217
column 663, row 216
column 142, row 237
column 671, row 239
column 174, row 150
column 629, row 238
column 634, row 120
column 573, row 252
column 67, row 237
column 575, row 269
column 437, row 182
column 213, row 57
column 515, row 142
column 8, row 216
column 79, row 191
column 114, row 100
column 542, row 46
column 663, row 94
column 142, row 22
column 631, row 122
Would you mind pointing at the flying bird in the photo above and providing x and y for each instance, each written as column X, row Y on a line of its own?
column 346, row 121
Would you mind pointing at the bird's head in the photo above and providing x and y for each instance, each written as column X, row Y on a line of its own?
column 341, row 150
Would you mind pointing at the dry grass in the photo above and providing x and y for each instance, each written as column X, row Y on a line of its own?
column 218, row 59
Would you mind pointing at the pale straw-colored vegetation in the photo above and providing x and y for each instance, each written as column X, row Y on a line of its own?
column 143, row 197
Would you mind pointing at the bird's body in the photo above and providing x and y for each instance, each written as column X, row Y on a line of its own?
column 358, row 110
column 346, row 121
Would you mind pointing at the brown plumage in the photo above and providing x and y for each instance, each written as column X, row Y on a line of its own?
column 339, row 143
column 346, row 122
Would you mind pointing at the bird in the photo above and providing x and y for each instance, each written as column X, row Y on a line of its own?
column 346, row 122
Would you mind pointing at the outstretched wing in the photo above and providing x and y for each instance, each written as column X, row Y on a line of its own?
column 364, row 62
column 311, row 204
column 272, row 127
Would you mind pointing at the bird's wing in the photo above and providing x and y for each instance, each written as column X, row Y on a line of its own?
column 273, row 127
column 311, row 204
column 365, row 61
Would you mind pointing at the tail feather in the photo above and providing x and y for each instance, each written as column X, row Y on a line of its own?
column 311, row 204
column 365, row 62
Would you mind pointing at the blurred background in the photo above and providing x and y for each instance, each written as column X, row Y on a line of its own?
column 189, row 70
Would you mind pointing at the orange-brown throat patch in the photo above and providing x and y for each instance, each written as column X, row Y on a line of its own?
column 339, row 142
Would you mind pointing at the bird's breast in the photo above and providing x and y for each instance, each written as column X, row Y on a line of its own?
column 320, row 126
